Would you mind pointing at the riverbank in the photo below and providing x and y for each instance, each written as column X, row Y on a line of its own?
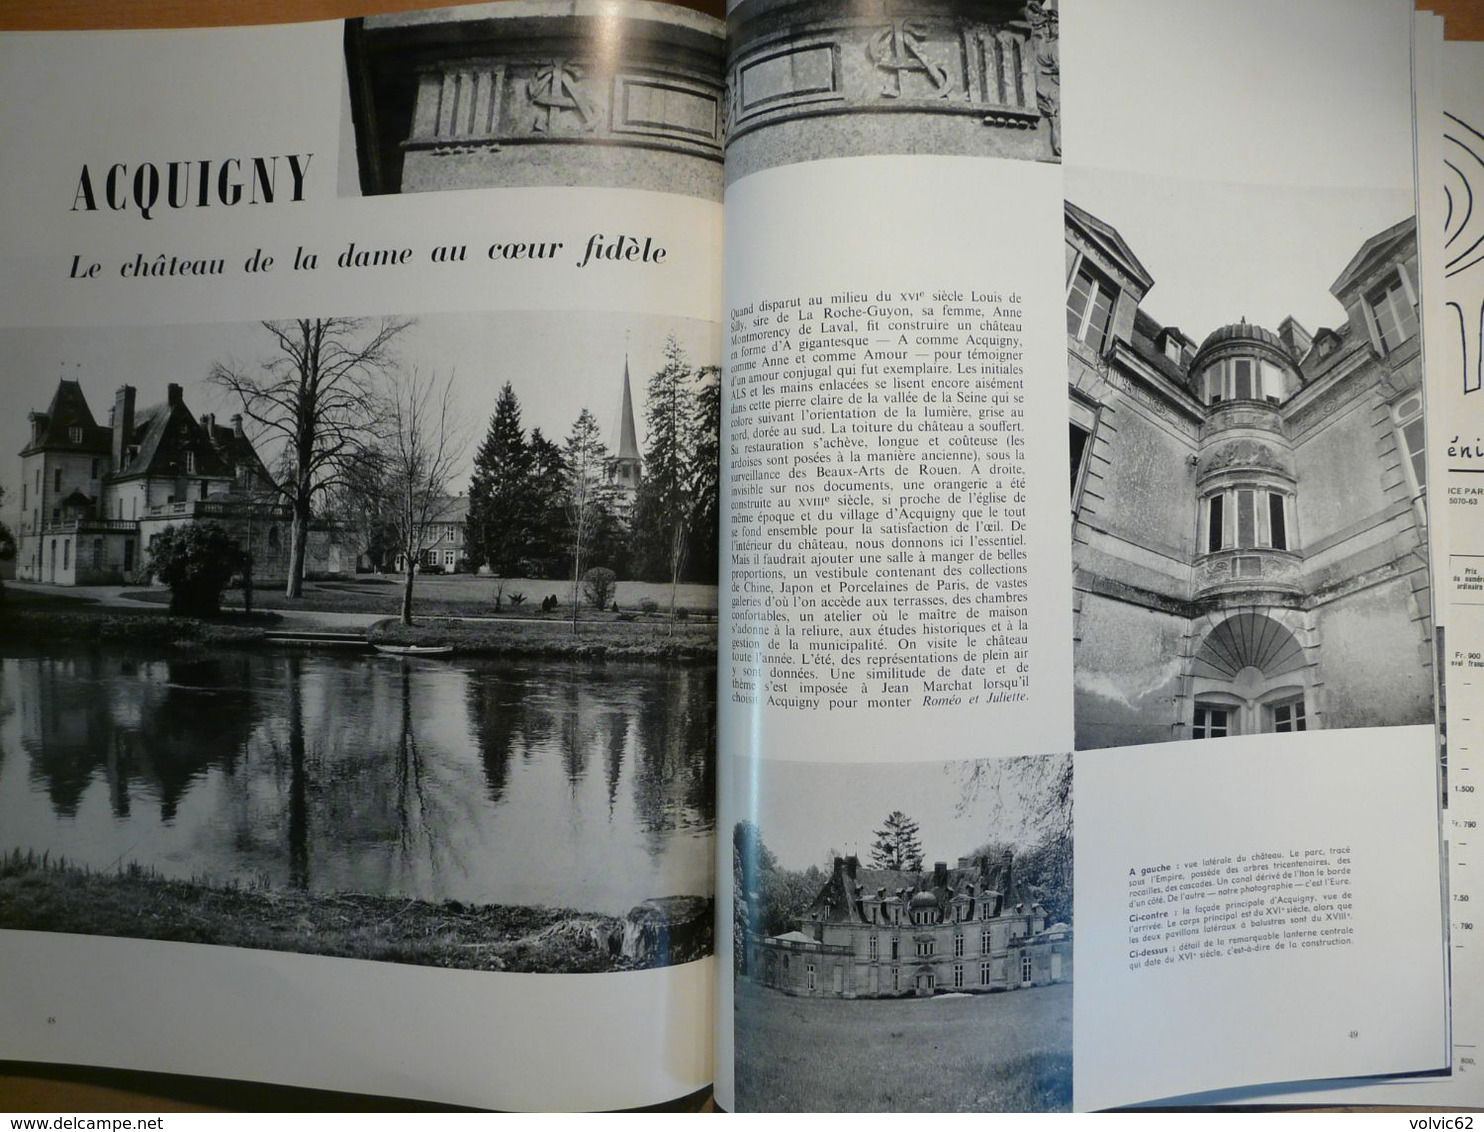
column 594, row 640
column 38, row 620
column 41, row 895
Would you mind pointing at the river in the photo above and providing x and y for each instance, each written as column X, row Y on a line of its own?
column 564, row 784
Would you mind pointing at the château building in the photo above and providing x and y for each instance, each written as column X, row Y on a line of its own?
column 1249, row 524
column 93, row 496
column 882, row 933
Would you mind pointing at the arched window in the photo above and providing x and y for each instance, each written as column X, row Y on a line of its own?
column 1250, row 675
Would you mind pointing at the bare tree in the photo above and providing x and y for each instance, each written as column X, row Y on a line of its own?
column 421, row 446
column 587, row 494
column 313, row 400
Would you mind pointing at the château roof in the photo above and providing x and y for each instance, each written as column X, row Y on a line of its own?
column 69, row 409
column 1234, row 331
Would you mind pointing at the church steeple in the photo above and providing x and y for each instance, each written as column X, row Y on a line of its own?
column 628, row 464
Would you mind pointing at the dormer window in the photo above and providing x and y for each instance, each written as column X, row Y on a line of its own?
column 74, row 434
column 1393, row 310
column 190, row 463
column 1089, row 307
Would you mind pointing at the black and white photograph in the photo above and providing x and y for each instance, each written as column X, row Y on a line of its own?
column 809, row 80
column 388, row 638
column 902, row 937
column 1247, row 465
column 540, row 93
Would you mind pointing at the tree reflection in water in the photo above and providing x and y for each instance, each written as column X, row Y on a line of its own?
column 476, row 780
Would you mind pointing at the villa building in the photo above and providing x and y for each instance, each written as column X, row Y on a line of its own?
column 1249, row 528
column 882, row 933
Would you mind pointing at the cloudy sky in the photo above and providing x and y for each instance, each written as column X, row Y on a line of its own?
column 558, row 363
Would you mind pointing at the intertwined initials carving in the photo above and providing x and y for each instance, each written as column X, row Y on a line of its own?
column 554, row 90
column 898, row 49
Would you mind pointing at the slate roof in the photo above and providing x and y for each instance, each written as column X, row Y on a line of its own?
column 161, row 444
column 840, row 900
column 69, row 410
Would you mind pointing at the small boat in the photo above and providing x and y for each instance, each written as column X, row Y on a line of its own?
column 414, row 650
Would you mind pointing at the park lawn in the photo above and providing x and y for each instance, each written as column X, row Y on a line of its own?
column 456, row 595
column 1009, row 1052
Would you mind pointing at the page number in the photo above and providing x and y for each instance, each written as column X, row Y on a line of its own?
column 1354, row 1034
column 51, row 1019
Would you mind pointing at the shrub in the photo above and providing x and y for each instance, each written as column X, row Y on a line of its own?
column 598, row 584
column 517, row 597
column 196, row 561
column 649, row 605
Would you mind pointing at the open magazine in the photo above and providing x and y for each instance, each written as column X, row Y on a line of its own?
column 555, row 565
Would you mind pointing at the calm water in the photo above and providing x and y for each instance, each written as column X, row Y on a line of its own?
column 563, row 784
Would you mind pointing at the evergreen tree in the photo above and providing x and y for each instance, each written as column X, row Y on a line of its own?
column 666, row 505
column 499, row 524
column 897, row 845
column 547, row 479
column 706, row 477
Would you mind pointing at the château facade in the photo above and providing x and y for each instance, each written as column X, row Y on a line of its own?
column 1249, row 524
column 885, row 933
column 93, row 496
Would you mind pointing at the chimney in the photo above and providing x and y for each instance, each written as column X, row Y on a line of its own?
column 122, row 420
column 852, row 863
column 940, row 874
column 206, row 424
column 237, row 425
column 1296, row 340
column 963, row 862
column 1007, row 875
column 172, row 394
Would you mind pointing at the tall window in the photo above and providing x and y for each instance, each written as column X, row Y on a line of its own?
column 958, row 944
column 1394, row 311
column 958, row 975
column 1406, row 417
column 1244, row 379
column 984, row 941
column 1025, row 967
column 1247, row 518
column 986, row 973
column 1089, row 308
column 875, row 947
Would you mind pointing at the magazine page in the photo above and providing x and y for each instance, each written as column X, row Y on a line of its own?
column 932, row 214
column 357, row 663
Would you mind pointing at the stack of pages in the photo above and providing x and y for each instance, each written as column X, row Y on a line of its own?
column 906, row 555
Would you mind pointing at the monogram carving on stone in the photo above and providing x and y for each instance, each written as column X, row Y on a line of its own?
column 555, row 90
column 899, row 49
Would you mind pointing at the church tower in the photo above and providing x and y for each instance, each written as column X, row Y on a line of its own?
column 628, row 464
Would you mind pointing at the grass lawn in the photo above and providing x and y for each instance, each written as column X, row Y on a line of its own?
column 455, row 595
column 1008, row 1052
column 39, row 619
